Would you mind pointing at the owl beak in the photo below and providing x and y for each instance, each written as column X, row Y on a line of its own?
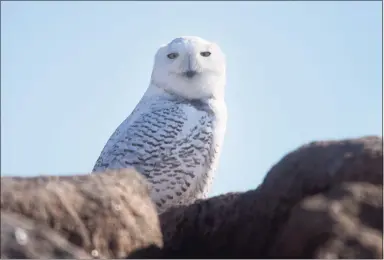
column 190, row 73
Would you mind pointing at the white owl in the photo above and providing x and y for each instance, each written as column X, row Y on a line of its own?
column 175, row 134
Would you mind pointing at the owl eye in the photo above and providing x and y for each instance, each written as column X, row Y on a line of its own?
column 173, row 55
column 205, row 53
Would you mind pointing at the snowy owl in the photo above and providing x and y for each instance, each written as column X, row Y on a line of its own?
column 175, row 134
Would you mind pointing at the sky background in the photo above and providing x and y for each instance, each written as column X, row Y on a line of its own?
column 71, row 72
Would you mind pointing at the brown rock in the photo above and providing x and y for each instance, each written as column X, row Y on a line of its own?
column 21, row 238
column 226, row 226
column 109, row 215
column 247, row 225
column 317, row 167
column 344, row 222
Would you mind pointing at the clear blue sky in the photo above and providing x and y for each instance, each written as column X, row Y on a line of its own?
column 297, row 72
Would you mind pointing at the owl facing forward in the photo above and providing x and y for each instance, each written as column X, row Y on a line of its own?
column 175, row 134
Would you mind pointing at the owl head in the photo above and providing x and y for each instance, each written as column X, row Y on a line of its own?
column 190, row 67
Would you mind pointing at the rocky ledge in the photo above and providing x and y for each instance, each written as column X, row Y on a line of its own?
column 323, row 200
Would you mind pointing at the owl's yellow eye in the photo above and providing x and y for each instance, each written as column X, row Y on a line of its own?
column 173, row 55
column 205, row 53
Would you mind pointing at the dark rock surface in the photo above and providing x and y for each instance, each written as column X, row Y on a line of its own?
column 344, row 222
column 108, row 215
column 262, row 223
column 323, row 200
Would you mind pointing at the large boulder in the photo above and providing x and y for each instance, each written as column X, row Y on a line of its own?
column 108, row 215
column 283, row 218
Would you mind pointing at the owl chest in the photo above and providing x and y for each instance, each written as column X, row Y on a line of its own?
column 176, row 143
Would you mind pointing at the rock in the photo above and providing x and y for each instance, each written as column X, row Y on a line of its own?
column 254, row 224
column 318, row 167
column 227, row 226
column 344, row 222
column 108, row 215
column 21, row 238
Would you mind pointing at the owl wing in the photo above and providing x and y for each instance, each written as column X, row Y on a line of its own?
column 105, row 156
column 149, row 134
